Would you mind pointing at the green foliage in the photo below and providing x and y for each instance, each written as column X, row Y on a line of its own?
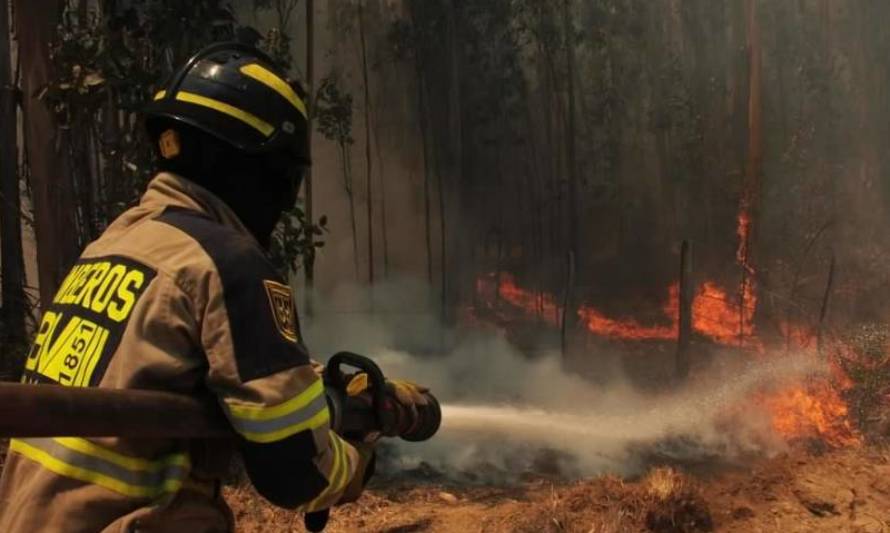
column 109, row 63
column 277, row 45
column 495, row 80
column 333, row 111
column 295, row 241
column 277, row 42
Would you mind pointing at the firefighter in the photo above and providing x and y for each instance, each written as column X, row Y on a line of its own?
column 177, row 295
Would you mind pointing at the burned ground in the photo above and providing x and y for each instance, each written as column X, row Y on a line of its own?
column 801, row 491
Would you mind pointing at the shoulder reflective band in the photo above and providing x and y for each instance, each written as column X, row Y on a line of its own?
column 251, row 120
column 160, row 94
column 307, row 410
column 271, row 80
column 339, row 476
column 88, row 462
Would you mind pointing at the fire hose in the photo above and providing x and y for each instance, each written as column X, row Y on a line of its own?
column 56, row 411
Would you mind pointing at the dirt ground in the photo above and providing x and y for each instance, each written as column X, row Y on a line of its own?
column 802, row 491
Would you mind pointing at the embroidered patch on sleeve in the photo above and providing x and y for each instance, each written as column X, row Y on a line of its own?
column 282, row 304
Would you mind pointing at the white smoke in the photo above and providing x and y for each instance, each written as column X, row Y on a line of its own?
column 505, row 413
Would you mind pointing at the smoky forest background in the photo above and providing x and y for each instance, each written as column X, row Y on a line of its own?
column 549, row 155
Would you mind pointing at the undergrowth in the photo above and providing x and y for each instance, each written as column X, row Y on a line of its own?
column 864, row 356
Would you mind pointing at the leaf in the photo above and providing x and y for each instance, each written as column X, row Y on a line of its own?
column 92, row 79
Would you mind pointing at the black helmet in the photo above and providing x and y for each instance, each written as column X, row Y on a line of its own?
column 235, row 93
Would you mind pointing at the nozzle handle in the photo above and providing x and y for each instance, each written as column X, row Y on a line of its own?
column 333, row 378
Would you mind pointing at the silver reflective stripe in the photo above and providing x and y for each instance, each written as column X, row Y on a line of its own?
column 274, row 425
column 141, row 478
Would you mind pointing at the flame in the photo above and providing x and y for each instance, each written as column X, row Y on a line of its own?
column 532, row 303
column 814, row 410
column 717, row 317
column 603, row 326
column 714, row 313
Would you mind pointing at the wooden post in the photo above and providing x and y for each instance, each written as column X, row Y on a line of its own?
column 567, row 300
column 823, row 312
column 684, row 336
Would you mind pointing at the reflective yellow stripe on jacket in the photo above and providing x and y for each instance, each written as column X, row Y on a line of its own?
column 88, row 462
column 307, row 410
column 338, row 477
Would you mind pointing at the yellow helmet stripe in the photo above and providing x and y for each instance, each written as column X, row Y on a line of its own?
column 269, row 79
column 251, row 120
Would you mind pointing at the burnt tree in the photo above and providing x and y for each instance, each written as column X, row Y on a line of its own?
column 13, row 265
column 51, row 187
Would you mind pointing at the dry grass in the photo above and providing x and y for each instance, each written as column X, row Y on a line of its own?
column 765, row 498
column 664, row 483
column 673, row 503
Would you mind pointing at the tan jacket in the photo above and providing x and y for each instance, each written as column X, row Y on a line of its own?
column 176, row 295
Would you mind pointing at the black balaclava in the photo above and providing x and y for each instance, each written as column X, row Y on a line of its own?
column 258, row 188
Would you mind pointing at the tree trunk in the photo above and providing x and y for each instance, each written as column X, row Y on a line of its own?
column 350, row 192
column 443, row 267
column 422, row 118
column 684, row 333
column 309, row 259
column 11, row 253
column 571, row 163
column 451, row 266
column 753, row 167
column 382, row 172
column 823, row 310
column 57, row 246
column 567, row 304
column 755, row 109
column 111, row 173
column 551, row 185
column 368, row 160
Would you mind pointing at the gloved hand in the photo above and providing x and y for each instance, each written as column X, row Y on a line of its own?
column 406, row 392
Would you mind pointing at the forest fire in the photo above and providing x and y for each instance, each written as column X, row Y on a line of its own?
column 815, row 409
column 715, row 316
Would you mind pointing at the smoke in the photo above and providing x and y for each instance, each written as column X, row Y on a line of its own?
column 506, row 414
